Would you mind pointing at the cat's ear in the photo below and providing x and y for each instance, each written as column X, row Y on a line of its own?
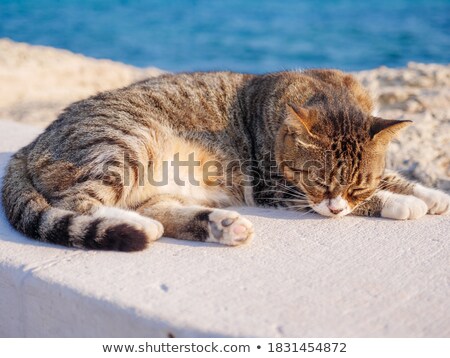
column 301, row 118
column 384, row 130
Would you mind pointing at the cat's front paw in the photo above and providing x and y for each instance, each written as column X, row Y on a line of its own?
column 438, row 203
column 403, row 207
column 229, row 228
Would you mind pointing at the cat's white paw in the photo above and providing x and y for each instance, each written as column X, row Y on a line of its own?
column 403, row 207
column 438, row 202
column 229, row 228
column 153, row 228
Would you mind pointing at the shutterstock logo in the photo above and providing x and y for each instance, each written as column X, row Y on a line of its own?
column 187, row 170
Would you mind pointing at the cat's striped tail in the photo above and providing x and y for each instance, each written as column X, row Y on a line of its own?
column 108, row 229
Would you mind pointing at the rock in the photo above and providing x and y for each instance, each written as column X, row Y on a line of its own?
column 37, row 82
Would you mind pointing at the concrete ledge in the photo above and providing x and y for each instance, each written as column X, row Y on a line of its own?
column 302, row 276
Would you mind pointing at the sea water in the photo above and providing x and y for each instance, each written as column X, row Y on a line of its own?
column 241, row 35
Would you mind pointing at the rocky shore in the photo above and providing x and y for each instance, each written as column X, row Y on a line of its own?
column 37, row 82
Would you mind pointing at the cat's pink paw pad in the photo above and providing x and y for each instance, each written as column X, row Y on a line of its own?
column 229, row 228
column 240, row 229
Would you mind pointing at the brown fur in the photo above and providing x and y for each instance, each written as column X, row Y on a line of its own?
column 261, row 130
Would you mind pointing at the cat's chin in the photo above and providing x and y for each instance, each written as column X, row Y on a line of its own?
column 333, row 216
column 341, row 208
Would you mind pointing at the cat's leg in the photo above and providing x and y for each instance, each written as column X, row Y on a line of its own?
column 437, row 201
column 393, row 206
column 183, row 219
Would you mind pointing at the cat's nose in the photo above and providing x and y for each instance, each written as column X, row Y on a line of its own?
column 334, row 211
column 337, row 205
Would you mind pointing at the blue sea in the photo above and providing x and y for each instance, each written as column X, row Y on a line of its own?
column 240, row 35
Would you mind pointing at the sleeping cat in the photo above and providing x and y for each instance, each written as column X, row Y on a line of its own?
column 166, row 155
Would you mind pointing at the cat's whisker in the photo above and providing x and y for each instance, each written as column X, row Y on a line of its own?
column 291, row 189
column 279, row 191
column 285, row 186
column 300, row 206
column 306, row 213
column 282, row 199
column 289, row 201
column 386, row 185
column 295, row 194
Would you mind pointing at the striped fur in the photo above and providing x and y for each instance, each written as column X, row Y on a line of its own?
column 85, row 182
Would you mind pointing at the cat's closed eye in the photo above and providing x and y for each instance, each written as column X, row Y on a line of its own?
column 359, row 191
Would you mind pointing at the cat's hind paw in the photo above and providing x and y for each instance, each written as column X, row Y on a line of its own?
column 403, row 207
column 229, row 228
column 438, row 203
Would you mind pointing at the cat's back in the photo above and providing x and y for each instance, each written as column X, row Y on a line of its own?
column 198, row 100
column 182, row 103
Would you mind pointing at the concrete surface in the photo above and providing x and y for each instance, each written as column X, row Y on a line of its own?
column 302, row 276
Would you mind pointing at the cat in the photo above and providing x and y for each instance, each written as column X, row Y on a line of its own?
column 165, row 156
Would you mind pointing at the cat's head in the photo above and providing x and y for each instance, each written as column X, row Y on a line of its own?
column 336, row 158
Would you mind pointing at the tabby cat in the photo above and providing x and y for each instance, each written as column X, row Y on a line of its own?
column 165, row 156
